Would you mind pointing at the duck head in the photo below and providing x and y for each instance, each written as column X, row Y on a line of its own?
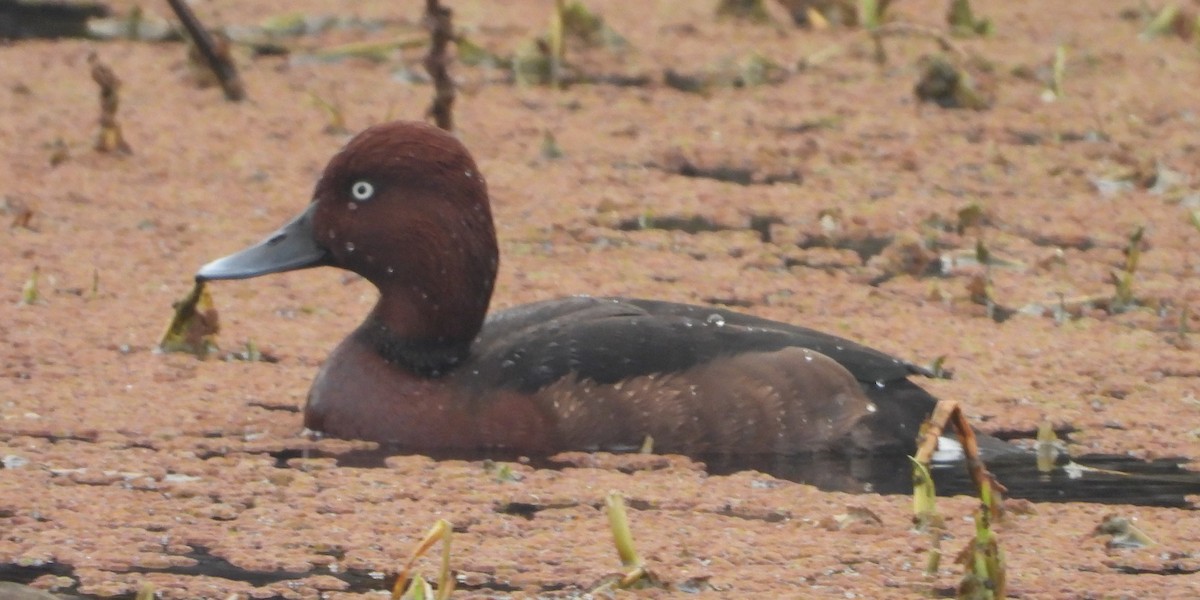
column 404, row 205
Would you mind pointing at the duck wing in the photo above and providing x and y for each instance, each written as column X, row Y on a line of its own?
column 607, row 340
column 611, row 371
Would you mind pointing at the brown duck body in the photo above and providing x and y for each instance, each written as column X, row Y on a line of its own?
column 403, row 204
column 589, row 373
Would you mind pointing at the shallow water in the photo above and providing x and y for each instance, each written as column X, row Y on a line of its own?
column 1103, row 479
column 1106, row 479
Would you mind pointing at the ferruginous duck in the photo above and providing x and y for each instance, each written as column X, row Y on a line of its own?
column 405, row 206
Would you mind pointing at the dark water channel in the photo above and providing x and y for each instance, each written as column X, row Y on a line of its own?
column 1102, row 479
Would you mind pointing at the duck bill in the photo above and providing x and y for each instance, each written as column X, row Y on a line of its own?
column 291, row 248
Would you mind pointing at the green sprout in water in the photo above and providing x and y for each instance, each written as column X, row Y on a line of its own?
column 1171, row 20
column 30, row 293
column 419, row 588
column 986, row 577
column 543, row 60
column 925, row 515
column 1123, row 296
column 335, row 118
column 194, row 326
column 1048, row 447
column 1162, row 22
column 550, row 149
column 1058, row 74
column 636, row 575
column 871, row 13
column 1182, row 341
column 962, row 20
column 938, row 370
column 146, row 592
column 501, row 472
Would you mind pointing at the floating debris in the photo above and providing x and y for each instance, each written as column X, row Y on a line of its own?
column 59, row 152
column 373, row 51
column 951, row 84
column 754, row 11
column 1124, row 533
column 763, row 166
column 855, row 516
column 20, row 212
column 752, row 70
column 907, row 254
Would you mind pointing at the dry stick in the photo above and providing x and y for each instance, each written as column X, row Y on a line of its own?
column 441, row 30
column 221, row 66
column 109, row 139
column 948, row 412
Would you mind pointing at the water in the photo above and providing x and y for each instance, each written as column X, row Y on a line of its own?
column 1124, row 480
column 1121, row 479
column 1109, row 479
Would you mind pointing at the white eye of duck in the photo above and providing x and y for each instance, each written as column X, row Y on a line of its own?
column 362, row 190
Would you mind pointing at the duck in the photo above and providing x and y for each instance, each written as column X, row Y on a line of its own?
column 404, row 205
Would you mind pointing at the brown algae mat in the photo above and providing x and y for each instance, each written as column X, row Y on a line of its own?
column 823, row 194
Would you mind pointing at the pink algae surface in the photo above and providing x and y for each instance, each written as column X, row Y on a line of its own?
column 124, row 466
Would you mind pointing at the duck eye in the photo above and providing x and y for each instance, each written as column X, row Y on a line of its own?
column 362, row 190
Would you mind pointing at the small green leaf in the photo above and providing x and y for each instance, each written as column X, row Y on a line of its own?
column 30, row 294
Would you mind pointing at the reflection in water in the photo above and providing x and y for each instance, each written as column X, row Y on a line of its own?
column 1109, row 479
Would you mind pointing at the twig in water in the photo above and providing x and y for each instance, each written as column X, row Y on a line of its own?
column 221, row 65
column 109, row 139
column 441, row 31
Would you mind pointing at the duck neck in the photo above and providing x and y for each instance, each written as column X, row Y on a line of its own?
column 425, row 332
